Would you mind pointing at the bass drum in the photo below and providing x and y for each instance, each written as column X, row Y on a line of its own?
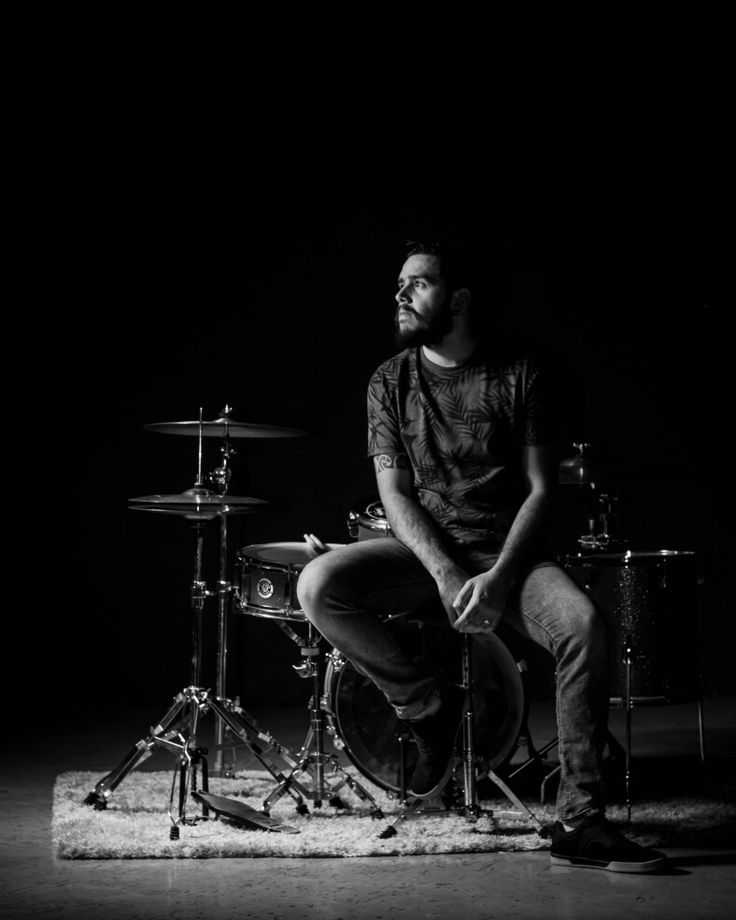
column 366, row 728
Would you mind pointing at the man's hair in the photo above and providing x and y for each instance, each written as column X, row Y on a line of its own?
column 455, row 263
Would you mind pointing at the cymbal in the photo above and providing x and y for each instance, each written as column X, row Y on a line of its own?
column 226, row 427
column 198, row 502
column 578, row 471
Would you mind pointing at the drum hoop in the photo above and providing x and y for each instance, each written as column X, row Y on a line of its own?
column 242, row 555
column 626, row 558
column 275, row 613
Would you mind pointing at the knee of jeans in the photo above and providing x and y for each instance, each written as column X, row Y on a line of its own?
column 312, row 586
column 590, row 627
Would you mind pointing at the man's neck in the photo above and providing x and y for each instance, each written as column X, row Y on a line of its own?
column 454, row 349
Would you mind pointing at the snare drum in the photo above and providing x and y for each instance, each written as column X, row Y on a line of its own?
column 650, row 602
column 365, row 726
column 266, row 577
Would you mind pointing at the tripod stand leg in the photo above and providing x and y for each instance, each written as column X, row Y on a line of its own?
column 312, row 756
column 287, row 782
column 240, row 723
column 100, row 794
column 512, row 797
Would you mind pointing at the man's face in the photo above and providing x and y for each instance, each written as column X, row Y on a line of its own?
column 423, row 314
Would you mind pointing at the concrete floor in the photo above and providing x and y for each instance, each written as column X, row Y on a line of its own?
column 700, row 883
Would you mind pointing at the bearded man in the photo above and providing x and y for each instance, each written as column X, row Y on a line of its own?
column 465, row 466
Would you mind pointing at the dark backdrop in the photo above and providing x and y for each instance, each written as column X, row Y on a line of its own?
column 282, row 309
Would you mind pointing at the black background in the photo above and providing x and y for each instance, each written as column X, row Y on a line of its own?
column 273, row 293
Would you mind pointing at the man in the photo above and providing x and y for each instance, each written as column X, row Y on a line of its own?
column 466, row 473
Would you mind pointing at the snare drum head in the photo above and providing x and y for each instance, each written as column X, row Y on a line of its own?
column 296, row 554
column 370, row 729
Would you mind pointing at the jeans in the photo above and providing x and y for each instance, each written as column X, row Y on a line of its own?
column 348, row 592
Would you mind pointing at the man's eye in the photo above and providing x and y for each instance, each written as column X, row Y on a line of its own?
column 419, row 284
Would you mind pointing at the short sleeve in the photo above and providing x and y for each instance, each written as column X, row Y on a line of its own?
column 538, row 426
column 384, row 436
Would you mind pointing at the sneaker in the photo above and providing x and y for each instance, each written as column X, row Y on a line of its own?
column 596, row 844
column 435, row 739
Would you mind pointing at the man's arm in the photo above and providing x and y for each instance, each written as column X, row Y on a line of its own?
column 413, row 527
column 483, row 598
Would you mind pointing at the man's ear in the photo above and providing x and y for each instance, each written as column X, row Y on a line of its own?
column 460, row 301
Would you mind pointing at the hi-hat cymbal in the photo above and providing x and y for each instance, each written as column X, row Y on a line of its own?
column 226, row 427
column 198, row 503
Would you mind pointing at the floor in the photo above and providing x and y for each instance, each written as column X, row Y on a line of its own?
column 700, row 883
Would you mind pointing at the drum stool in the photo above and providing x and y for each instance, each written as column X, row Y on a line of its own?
column 470, row 807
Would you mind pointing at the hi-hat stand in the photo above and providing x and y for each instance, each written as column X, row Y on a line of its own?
column 178, row 729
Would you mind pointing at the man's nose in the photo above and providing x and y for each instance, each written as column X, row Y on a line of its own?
column 402, row 295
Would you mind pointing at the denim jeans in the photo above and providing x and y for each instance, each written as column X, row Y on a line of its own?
column 350, row 591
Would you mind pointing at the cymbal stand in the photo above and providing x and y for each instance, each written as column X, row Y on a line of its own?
column 178, row 728
column 220, row 480
column 312, row 758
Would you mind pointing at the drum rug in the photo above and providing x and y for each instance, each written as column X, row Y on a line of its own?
column 136, row 823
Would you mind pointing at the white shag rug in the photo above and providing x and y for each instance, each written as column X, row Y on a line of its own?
column 136, row 824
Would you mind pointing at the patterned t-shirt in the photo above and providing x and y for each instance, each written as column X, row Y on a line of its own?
column 463, row 429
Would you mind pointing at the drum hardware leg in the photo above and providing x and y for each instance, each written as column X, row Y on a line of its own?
column 535, row 756
column 628, row 658
column 177, row 733
column 470, row 797
column 701, row 729
column 312, row 757
column 544, row 831
column 158, row 734
column 264, row 747
column 224, row 590
column 404, row 738
column 543, row 787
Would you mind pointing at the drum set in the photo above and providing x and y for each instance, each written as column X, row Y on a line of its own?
column 647, row 598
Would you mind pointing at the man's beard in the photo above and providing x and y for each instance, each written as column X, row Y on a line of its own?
column 426, row 331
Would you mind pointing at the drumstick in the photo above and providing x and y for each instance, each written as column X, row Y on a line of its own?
column 315, row 543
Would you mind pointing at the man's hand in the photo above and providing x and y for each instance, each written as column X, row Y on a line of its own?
column 480, row 602
column 449, row 584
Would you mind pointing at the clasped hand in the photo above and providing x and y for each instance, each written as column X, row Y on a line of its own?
column 474, row 604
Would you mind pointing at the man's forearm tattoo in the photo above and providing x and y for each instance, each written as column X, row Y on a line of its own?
column 391, row 462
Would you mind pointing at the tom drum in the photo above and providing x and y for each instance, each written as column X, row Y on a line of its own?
column 650, row 602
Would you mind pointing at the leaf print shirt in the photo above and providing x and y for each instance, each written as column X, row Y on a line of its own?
column 463, row 429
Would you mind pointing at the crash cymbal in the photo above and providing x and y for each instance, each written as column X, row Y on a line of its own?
column 198, row 502
column 226, row 427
